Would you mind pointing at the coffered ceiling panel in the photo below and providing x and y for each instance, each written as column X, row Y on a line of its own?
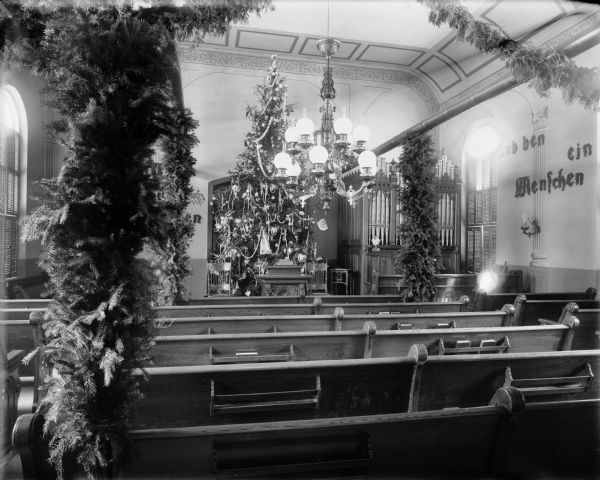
column 270, row 42
column 520, row 18
column 440, row 72
column 464, row 57
column 404, row 56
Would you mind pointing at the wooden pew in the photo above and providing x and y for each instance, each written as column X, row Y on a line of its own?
column 495, row 301
column 10, row 303
column 224, row 394
column 588, row 331
column 508, row 437
column 19, row 313
column 19, row 335
column 528, row 312
column 366, row 343
column 316, row 307
column 10, row 361
column 237, row 300
column 468, row 380
column 335, row 322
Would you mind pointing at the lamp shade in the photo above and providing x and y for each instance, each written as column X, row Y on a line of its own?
column 305, row 126
column 294, row 170
column 282, row 161
column 362, row 133
column 291, row 134
column 342, row 126
column 367, row 159
column 318, row 154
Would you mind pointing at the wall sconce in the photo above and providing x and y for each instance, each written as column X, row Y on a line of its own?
column 375, row 241
column 530, row 226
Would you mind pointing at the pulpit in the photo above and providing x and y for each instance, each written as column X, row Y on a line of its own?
column 283, row 279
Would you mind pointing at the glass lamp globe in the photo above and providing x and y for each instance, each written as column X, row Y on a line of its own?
column 342, row 126
column 362, row 133
column 305, row 126
column 294, row 170
column 282, row 161
column 292, row 134
column 318, row 154
column 367, row 159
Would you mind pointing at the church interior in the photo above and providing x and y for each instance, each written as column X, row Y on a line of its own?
column 326, row 239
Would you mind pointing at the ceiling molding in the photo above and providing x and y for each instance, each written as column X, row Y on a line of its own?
column 188, row 53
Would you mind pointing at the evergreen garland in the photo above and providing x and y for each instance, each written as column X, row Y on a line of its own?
column 109, row 74
column 418, row 231
column 171, row 258
column 546, row 67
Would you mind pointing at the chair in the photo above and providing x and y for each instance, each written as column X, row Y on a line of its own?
column 219, row 278
column 318, row 281
column 340, row 278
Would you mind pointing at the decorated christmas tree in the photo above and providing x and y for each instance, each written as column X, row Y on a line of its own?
column 256, row 220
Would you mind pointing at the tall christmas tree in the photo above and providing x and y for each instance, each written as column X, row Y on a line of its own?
column 256, row 220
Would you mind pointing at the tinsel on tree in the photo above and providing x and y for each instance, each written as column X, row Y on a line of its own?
column 109, row 73
column 544, row 67
column 256, row 221
column 418, row 232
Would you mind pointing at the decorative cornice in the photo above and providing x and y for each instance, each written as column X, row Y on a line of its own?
column 189, row 54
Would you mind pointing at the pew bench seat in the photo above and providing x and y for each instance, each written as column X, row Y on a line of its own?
column 510, row 437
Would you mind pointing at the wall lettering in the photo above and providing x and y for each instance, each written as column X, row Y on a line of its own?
column 197, row 218
column 525, row 186
column 575, row 153
column 197, row 198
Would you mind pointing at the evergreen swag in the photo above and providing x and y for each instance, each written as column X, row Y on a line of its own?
column 109, row 73
column 546, row 67
column 418, row 232
column 255, row 220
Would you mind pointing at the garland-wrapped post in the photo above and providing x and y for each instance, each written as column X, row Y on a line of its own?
column 171, row 257
column 109, row 75
column 544, row 67
column 420, row 240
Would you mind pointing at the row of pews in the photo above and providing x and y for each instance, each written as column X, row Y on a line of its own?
column 352, row 387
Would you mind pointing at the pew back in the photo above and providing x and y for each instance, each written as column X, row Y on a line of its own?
column 302, row 309
column 472, row 442
column 225, row 394
column 588, row 331
column 469, row 380
column 18, row 335
column 368, row 343
column 235, row 300
column 529, row 312
column 337, row 321
column 495, row 301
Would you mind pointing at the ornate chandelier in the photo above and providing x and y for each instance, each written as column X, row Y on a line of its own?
column 320, row 162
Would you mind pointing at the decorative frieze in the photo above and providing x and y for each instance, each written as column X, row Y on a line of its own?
column 196, row 55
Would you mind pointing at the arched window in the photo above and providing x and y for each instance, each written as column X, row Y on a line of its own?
column 481, row 150
column 11, row 146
